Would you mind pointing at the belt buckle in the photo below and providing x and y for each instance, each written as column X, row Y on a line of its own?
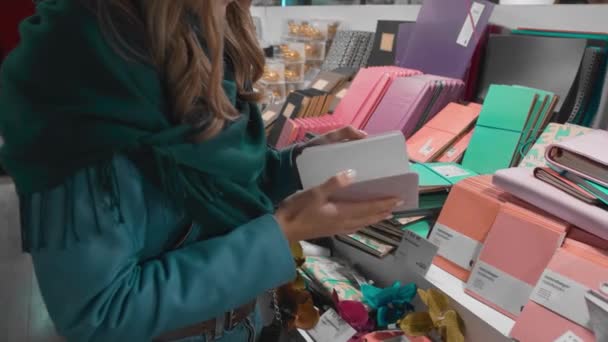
column 230, row 320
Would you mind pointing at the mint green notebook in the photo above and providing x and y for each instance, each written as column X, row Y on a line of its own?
column 420, row 228
column 490, row 150
column 497, row 137
column 507, row 107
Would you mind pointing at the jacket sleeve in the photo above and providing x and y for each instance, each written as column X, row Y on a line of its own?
column 281, row 177
column 95, row 286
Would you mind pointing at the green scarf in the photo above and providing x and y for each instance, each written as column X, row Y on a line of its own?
column 69, row 101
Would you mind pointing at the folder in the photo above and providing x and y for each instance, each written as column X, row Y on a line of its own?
column 446, row 36
column 558, row 304
column 464, row 223
column 385, row 43
column 410, row 101
column 442, row 131
column 552, row 134
column 403, row 39
column 516, row 252
column 585, row 156
column 549, row 63
column 368, row 244
column 521, row 183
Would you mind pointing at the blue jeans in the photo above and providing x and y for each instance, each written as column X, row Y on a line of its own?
column 241, row 333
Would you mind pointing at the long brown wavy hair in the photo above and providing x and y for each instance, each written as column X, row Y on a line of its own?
column 187, row 40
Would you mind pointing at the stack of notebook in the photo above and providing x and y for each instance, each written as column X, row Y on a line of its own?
column 350, row 49
column 588, row 99
column 523, row 58
column 442, row 132
column 435, row 183
column 575, row 187
column 464, row 224
column 511, row 119
column 383, row 238
column 358, row 103
column 558, row 301
column 411, row 102
column 516, row 252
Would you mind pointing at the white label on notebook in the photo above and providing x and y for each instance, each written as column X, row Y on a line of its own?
column 455, row 246
column 563, row 296
column 289, row 110
column 320, row 84
column 332, row 327
column 341, row 93
column 268, row 115
column 470, row 24
column 427, row 148
column 416, row 252
column 499, row 288
column 569, row 336
column 450, row 171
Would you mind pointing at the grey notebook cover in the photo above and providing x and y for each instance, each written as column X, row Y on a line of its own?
column 601, row 119
column 381, row 164
column 546, row 63
column 584, row 85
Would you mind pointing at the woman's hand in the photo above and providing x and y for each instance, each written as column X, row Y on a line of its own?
column 310, row 214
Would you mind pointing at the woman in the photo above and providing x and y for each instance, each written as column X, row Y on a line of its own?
column 147, row 191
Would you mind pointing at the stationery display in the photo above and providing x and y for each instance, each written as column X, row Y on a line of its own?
column 504, row 279
column 447, row 29
column 442, row 131
column 511, row 192
column 558, row 300
column 410, row 102
column 357, row 104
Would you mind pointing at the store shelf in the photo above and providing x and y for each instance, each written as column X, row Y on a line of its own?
column 454, row 288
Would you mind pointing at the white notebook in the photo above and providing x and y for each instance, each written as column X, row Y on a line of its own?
column 380, row 162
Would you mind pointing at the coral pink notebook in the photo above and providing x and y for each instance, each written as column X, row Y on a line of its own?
column 454, row 153
column 441, row 131
column 464, row 223
column 515, row 254
column 557, row 307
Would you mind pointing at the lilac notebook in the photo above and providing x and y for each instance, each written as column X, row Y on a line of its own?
column 400, row 100
column 446, row 35
column 521, row 183
column 403, row 40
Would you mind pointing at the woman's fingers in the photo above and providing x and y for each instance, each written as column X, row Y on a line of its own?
column 367, row 209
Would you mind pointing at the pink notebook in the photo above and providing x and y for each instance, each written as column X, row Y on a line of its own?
column 521, row 183
column 442, row 131
column 455, row 152
column 516, row 252
column 557, row 307
column 586, row 156
column 464, row 223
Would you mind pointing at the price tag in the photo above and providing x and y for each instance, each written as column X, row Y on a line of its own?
column 569, row 336
column 416, row 252
column 332, row 327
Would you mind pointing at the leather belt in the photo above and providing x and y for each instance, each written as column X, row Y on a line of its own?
column 212, row 328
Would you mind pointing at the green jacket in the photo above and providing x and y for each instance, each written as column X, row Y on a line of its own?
column 102, row 232
column 122, row 282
